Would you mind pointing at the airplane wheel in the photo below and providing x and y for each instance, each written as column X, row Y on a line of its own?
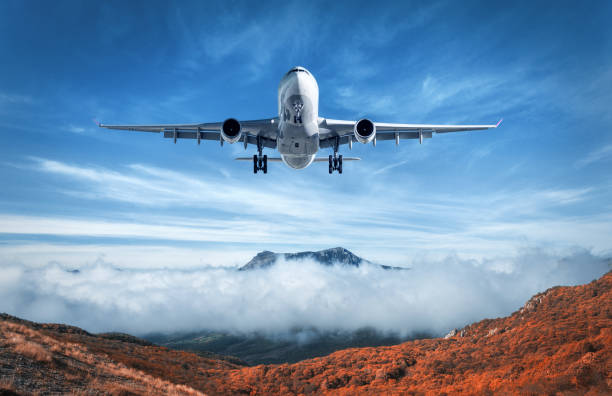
column 255, row 164
column 265, row 164
column 340, row 164
column 331, row 169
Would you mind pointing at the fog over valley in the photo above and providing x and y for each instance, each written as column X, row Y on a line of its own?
column 430, row 297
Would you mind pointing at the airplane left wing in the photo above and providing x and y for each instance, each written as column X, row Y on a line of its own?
column 266, row 130
column 342, row 131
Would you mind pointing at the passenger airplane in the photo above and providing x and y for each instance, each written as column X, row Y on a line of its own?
column 298, row 132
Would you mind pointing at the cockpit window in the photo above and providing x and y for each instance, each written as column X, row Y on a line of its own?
column 297, row 70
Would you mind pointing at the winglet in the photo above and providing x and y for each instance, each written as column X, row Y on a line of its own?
column 499, row 122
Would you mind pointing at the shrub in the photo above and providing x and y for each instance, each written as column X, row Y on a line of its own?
column 33, row 351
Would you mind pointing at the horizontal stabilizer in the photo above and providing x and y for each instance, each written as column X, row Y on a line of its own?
column 270, row 159
column 318, row 159
column 323, row 159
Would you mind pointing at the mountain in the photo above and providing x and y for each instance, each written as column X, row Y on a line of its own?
column 260, row 349
column 326, row 257
column 558, row 343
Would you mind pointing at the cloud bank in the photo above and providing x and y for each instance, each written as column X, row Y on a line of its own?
column 430, row 297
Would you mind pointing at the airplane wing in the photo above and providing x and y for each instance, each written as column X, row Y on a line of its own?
column 265, row 129
column 342, row 131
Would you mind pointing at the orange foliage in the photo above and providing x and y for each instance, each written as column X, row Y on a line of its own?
column 559, row 342
column 34, row 351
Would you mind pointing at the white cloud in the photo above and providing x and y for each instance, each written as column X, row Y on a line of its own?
column 432, row 296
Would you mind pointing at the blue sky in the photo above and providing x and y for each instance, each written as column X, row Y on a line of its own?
column 74, row 194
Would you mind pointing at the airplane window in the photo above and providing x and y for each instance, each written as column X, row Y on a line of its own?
column 297, row 70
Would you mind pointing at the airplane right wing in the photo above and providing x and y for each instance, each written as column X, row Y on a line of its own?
column 266, row 130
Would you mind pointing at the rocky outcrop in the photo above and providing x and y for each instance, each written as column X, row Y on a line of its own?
column 262, row 260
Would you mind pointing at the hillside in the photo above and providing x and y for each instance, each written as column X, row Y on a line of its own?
column 559, row 342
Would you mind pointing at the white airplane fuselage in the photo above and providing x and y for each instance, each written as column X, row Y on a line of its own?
column 298, row 114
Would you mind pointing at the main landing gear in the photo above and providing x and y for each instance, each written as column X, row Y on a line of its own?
column 260, row 162
column 335, row 161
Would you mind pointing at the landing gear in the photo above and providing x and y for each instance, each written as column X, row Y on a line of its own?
column 260, row 162
column 335, row 163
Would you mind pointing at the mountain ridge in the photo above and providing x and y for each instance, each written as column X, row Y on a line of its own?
column 326, row 257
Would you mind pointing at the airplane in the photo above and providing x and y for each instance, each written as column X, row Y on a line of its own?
column 298, row 132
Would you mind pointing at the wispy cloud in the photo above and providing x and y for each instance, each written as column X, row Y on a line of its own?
column 390, row 166
column 131, row 255
column 15, row 99
column 181, row 207
column 462, row 96
column 256, row 42
column 75, row 129
column 601, row 154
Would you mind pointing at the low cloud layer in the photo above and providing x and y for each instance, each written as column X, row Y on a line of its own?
column 430, row 297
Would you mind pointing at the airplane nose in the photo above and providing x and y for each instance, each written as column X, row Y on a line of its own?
column 302, row 78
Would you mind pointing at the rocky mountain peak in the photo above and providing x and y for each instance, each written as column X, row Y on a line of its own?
column 337, row 255
column 327, row 257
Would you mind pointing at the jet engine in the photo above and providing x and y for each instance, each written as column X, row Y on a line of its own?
column 364, row 131
column 231, row 130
